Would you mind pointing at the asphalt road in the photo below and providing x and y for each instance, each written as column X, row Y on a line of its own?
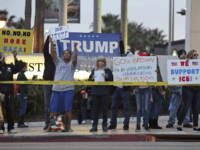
column 102, row 146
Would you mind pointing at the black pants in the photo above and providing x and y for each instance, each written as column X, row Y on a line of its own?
column 9, row 110
column 190, row 97
column 103, row 102
column 47, row 99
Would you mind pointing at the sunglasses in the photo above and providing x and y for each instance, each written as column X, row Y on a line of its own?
column 196, row 55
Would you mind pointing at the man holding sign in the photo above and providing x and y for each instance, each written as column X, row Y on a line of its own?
column 62, row 95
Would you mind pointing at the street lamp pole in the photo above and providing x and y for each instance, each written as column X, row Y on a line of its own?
column 173, row 20
column 170, row 30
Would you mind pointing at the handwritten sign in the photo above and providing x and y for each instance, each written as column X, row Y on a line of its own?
column 183, row 72
column 135, row 69
column 16, row 40
column 60, row 33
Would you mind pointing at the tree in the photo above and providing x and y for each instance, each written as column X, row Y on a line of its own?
column 11, row 23
column 139, row 37
column 39, row 26
column 27, row 23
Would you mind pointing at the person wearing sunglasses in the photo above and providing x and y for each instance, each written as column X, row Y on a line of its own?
column 191, row 95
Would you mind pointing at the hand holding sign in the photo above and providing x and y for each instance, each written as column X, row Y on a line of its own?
column 59, row 33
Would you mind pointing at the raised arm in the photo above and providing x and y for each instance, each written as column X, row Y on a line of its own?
column 46, row 47
column 17, row 67
column 74, row 57
column 53, row 54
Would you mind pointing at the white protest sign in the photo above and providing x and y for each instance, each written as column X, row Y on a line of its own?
column 183, row 72
column 135, row 69
column 60, row 33
column 98, row 75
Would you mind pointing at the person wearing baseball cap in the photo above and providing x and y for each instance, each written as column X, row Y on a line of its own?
column 142, row 92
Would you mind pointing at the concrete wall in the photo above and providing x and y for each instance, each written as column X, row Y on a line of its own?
column 193, row 25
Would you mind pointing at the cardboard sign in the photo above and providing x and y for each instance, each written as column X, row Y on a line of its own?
column 135, row 69
column 60, row 33
column 183, row 72
column 16, row 40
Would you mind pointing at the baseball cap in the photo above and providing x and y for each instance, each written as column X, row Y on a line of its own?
column 1, row 56
column 143, row 54
column 83, row 92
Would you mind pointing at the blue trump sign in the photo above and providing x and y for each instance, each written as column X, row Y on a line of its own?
column 90, row 46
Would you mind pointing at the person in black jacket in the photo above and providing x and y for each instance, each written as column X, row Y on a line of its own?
column 6, row 74
column 49, row 71
column 101, row 94
column 22, row 95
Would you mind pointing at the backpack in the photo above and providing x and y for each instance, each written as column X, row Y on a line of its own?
column 16, row 88
column 57, row 123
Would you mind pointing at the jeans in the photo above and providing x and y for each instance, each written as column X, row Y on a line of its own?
column 156, row 106
column 83, row 112
column 190, row 97
column 120, row 96
column 103, row 101
column 47, row 99
column 176, row 101
column 145, row 92
column 23, row 104
column 9, row 110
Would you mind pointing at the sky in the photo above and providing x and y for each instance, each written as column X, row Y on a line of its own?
column 152, row 13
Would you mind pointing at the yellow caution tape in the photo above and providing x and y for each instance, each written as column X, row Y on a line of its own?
column 95, row 83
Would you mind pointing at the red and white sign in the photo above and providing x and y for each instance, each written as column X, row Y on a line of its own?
column 183, row 72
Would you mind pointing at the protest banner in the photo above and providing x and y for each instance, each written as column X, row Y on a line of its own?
column 90, row 46
column 16, row 40
column 183, row 72
column 59, row 33
column 135, row 69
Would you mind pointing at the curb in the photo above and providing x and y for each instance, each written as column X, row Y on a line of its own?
column 81, row 138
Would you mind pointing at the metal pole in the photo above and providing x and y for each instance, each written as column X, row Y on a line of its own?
column 63, row 12
column 173, row 21
column 97, row 16
column 124, row 23
column 170, row 30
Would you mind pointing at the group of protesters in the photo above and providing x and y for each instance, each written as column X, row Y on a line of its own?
column 59, row 98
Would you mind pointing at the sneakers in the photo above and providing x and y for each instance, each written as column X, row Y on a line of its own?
column 169, row 125
column 188, row 125
column 138, row 129
column 12, row 131
column 147, row 129
column 196, row 130
column 179, row 129
column 125, row 127
column 1, row 132
column 83, row 122
column 110, row 127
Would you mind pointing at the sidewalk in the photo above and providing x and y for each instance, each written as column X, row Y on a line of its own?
column 81, row 134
